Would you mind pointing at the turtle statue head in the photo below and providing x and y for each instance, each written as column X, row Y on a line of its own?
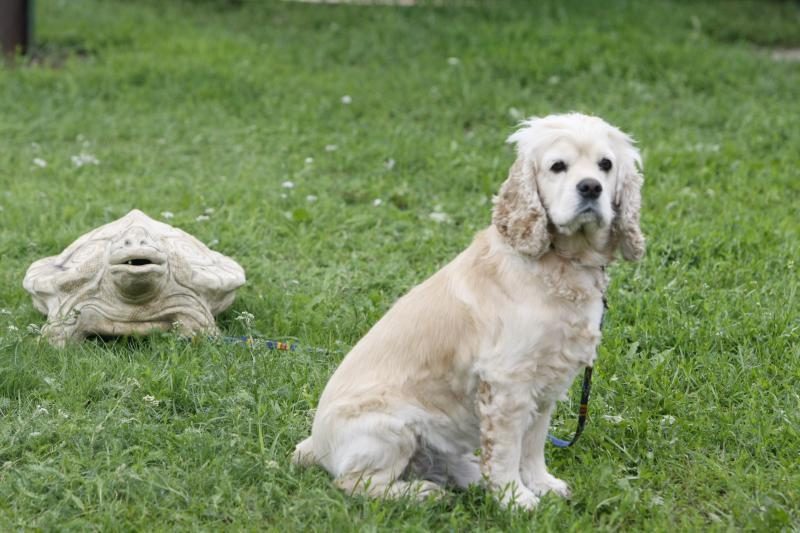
column 132, row 276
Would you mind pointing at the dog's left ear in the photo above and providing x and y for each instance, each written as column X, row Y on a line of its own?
column 628, row 199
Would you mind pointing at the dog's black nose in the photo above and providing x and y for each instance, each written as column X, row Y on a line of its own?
column 589, row 188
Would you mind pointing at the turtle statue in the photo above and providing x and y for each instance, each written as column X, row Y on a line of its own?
column 132, row 276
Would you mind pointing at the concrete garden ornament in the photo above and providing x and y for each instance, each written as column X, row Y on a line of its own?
column 132, row 276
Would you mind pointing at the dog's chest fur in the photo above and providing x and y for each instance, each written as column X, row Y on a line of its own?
column 549, row 328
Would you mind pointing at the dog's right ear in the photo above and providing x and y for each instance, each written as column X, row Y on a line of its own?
column 518, row 212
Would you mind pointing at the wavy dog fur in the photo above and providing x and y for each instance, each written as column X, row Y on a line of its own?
column 475, row 356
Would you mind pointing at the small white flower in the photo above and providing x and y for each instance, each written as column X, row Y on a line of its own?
column 202, row 218
column 40, row 411
column 311, row 198
column 453, row 61
column 284, row 196
column 515, row 113
column 614, row 419
column 39, row 162
column 151, row 400
column 309, row 160
column 50, row 381
column 668, row 419
column 377, row 202
column 246, row 317
column 272, row 464
column 439, row 216
column 84, row 159
column 13, row 328
column 35, row 433
column 4, row 311
column 208, row 211
column 287, row 185
column 167, row 214
column 331, row 147
column 389, row 163
column 346, row 100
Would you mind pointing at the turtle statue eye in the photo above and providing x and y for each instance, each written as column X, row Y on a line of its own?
column 558, row 166
column 604, row 164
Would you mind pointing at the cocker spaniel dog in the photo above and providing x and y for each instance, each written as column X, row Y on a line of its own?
column 457, row 382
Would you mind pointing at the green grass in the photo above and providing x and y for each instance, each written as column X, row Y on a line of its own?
column 214, row 105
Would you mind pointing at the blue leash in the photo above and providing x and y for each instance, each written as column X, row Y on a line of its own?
column 266, row 343
column 582, row 412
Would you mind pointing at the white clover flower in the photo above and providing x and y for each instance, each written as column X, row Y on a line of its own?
column 346, row 100
column 377, row 202
column 208, row 211
column 39, row 162
column 202, row 218
column 439, row 216
column 4, row 311
column 151, row 400
column 311, row 198
column 287, row 185
column 13, row 328
column 167, row 214
column 331, row 147
column 389, row 163
column 614, row 419
column 453, row 61
column 309, row 160
column 84, row 159
column 668, row 419
column 244, row 316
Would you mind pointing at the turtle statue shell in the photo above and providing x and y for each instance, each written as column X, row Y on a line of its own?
column 132, row 276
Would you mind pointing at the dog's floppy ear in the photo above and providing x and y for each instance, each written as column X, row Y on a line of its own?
column 628, row 200
column 518, row 212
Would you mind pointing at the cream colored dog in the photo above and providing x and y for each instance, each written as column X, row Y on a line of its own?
column 456, row 383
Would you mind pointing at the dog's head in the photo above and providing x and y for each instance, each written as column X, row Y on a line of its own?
column 576, row 180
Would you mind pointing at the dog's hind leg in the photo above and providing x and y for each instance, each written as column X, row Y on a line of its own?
column 372, row 463
column 463, row 470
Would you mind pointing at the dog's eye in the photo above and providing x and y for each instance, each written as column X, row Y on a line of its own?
column 604, row 164
column 558, row 166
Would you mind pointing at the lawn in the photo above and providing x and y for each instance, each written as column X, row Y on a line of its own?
column 312, row 144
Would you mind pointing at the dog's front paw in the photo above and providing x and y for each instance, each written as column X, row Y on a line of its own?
column 516, row 495
column 547, row 483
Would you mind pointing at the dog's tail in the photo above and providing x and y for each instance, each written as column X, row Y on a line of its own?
column 304, row 453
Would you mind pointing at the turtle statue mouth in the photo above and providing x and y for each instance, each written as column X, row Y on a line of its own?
column 138, row 273
column 138, row 261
